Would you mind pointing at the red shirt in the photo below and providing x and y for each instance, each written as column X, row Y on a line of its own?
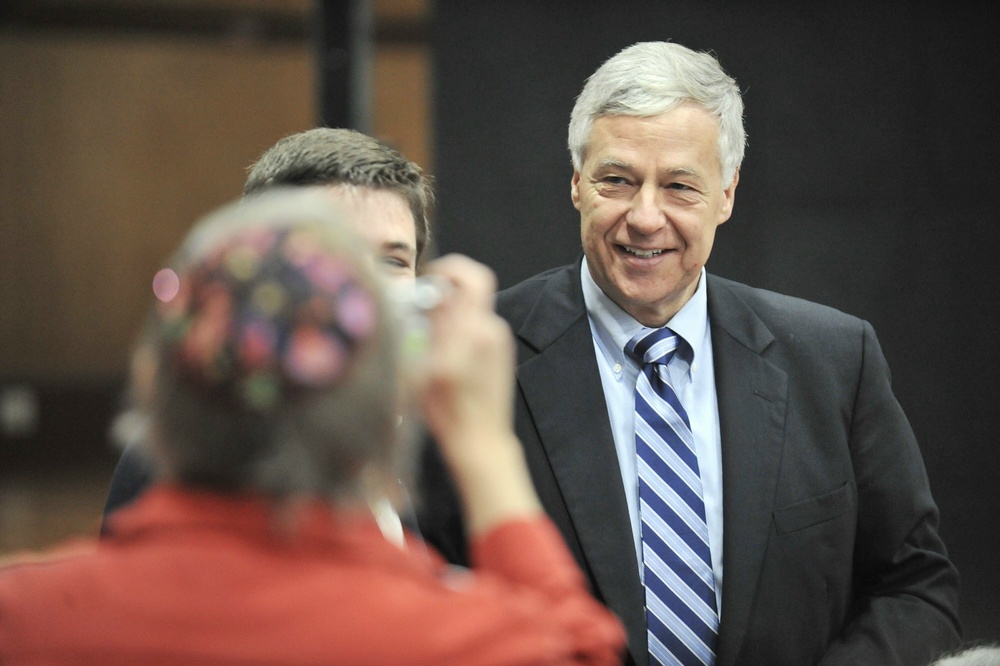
column 188, row 577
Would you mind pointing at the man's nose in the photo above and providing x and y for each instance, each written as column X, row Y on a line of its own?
column 645, row 213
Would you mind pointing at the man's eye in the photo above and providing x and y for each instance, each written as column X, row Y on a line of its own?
column 615, row 180
column 396, row 262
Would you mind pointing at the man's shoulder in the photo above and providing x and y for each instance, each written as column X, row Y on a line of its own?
column 779, row 312
column 29, row 562
column 515, row 302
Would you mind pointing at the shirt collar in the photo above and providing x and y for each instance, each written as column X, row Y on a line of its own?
column 614, row 327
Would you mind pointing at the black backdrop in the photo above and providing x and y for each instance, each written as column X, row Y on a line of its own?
column 868, row 185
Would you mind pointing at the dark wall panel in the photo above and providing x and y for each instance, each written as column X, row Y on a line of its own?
column 868, row 185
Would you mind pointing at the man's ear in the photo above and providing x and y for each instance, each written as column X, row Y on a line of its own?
column 729, row 196
column 574, row 189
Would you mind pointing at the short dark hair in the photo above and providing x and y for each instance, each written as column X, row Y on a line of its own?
column 332, row 156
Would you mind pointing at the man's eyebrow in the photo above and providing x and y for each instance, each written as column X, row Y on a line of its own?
column 675, row 172
column 683, row 171
column 613, row 163
column 398, row 246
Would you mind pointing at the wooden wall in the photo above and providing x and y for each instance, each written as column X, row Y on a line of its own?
column 121, row 123
column 112, row 146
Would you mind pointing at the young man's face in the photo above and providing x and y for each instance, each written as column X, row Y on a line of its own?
column 388, row 225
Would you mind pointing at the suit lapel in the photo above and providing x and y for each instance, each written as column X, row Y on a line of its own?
column 752, row 397
column 562, row 387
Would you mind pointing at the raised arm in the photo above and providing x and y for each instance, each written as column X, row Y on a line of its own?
column 541, row 611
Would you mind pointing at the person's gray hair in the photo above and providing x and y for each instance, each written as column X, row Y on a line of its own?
column 650, row 78
column 314, row 440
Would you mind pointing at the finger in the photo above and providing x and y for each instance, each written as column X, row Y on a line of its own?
column 474, row 284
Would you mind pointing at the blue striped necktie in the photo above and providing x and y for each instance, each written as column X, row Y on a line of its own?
column 681, row 616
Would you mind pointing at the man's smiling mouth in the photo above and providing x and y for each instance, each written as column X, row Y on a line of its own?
column 642, row 254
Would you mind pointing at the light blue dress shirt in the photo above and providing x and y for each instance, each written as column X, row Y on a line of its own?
column 693, row 380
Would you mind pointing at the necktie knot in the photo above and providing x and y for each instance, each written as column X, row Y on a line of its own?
column 653, row 346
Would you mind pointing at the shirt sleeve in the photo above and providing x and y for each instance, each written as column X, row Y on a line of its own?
column 527, row 562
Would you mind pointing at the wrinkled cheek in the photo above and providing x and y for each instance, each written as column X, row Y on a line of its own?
column 590, row 236
column 697, row 252
column 600, row 256
column 692, row 259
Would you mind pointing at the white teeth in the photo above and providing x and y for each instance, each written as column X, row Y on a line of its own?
column 643, row 254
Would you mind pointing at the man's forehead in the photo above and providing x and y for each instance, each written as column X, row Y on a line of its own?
column 382, row 215
column 368, row 201
column 353, row 192
column 622, row 139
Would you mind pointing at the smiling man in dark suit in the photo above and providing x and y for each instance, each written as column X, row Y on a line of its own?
column 806, row 521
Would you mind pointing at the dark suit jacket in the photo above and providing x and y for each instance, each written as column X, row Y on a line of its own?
column 831, row 552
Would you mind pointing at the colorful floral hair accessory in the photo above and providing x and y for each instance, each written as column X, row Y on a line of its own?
column 266, row 314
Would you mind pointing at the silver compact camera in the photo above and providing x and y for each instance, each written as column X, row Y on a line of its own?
column 421, row 295
column 412, row 301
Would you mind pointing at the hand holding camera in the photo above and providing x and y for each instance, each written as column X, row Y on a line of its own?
column 466, row 395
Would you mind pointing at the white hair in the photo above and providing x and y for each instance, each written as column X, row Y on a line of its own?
column 650, row 78
column 983, row 655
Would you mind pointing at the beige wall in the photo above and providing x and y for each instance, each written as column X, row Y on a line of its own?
column 112, row 146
